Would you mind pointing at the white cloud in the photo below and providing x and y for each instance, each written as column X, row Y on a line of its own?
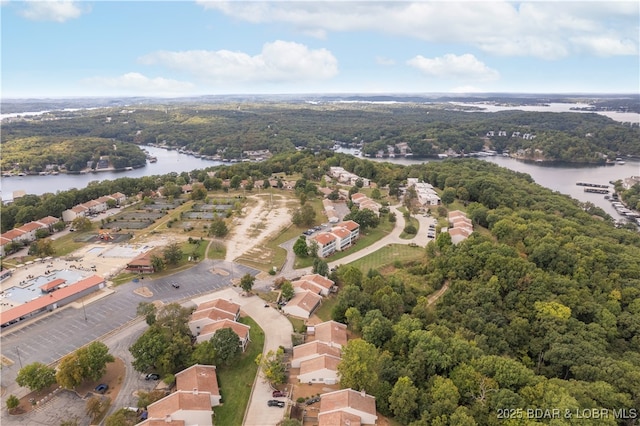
column 279, row 61
column 547, row 30
column 51, row 10
column 450, row 66
column 604, row 45
column 138, row 83
column 381, row 60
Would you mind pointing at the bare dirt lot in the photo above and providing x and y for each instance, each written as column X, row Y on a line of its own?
column 261, row 220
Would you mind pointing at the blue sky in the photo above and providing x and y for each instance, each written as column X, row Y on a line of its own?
column 183, row 48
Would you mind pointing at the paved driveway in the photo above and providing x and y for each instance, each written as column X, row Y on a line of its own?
column 54, row 335
column 277, row 331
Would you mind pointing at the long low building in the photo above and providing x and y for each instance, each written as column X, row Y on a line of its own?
column 52, row 300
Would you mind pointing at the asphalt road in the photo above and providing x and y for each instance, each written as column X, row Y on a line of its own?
column 55, row 335
column 113, row 320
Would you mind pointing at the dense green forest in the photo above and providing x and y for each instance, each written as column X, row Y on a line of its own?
column 541, row 312
column 70, row 153
column 428, row 129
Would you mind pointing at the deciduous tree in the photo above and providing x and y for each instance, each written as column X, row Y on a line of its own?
column 403, row 401
column 172, row 254
column 273, row 366
column 359, row 366
column 246, row 282
column 36, row 376
column 226, row 344
column 300, row 247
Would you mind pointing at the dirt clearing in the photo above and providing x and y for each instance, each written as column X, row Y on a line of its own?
column 259, row 223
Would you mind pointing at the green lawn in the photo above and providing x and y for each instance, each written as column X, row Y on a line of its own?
column 412, row 221
column 217, row 250
column 388, row 255
column 324, row 311
column 236, row 380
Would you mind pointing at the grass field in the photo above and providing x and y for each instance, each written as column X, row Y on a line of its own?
column 236, row 380
column 388, row 255
column 324, row 311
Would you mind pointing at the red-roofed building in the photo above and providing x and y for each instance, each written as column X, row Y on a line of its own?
column 94, row 206
column 302, row 304
column 313, row 350
column 192, row 407
column 48, row 222
column 75, row 212
column 4, row 243
column 315, row 283
column 15, row 235
column 241, row 330
column 337, row 418
column 343, row 237
column 30, row 229
column 200, row 377
column 52, row 301
column 141, row 264
column 119, row 197
column 326, row 244
column 321, row 369
column 213, row 311
column 52, row 285
column 461, row 226
column 353, row 227
column 331, row 332
column 348, row 401
column 223, row 305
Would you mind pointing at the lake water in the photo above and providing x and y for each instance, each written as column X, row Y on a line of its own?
column 561, row 178
column 622, row 117
column 168, row 161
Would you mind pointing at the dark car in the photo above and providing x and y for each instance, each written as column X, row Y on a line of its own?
column 312, row 400
column 152, row 376
column 101, row 388
column 278, row 394
column 175, row 285
column 275, row 403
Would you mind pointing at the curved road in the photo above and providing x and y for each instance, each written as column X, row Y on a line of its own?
column 112, row 319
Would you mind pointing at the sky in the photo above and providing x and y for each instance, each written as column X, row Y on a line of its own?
column 66, row 48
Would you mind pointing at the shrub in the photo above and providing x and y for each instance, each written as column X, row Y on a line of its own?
column 410, row 229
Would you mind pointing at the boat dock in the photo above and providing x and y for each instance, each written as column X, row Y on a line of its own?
column 597, row 190
column 593, row 185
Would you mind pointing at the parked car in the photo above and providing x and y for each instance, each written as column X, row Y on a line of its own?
column 275, row 403
column 278, row 394
column 175, row 285
column 101, row 388
column 312, row 400
column 152, row 376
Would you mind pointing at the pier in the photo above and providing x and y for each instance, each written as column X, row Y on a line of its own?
column 597, row 190
column 593, row 185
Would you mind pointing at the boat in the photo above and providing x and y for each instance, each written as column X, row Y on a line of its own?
column 356, row 152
